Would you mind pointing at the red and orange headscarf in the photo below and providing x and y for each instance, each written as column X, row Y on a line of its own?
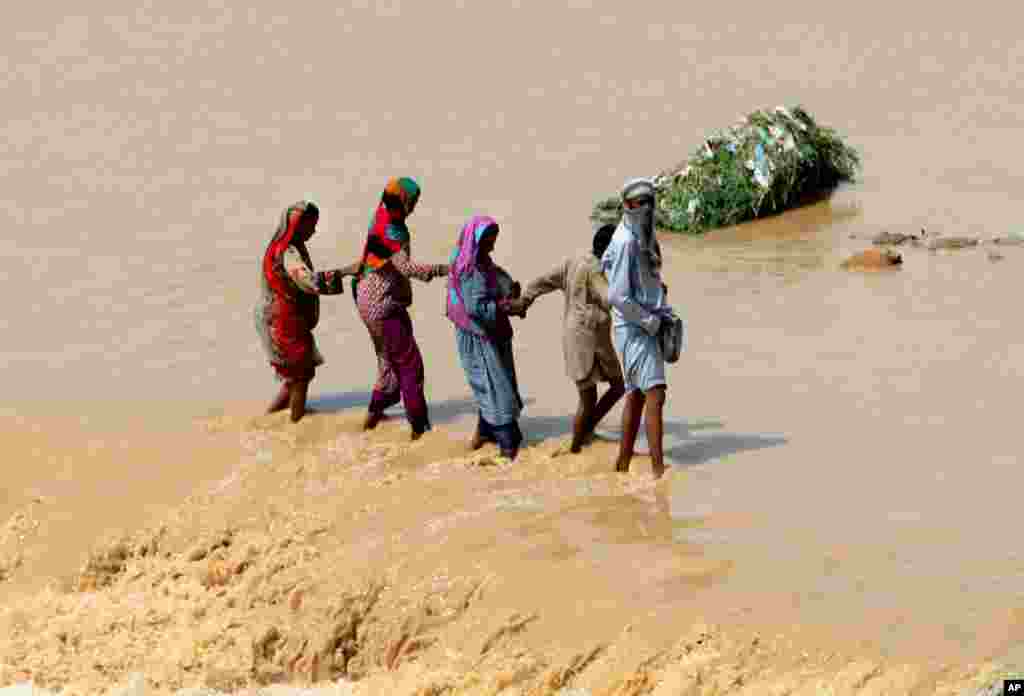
column 284, row 237
column 388, row 233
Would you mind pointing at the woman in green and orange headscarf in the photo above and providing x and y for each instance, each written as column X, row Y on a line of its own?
column 383, row 294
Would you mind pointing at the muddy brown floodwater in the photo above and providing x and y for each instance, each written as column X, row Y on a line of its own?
column 846, row 460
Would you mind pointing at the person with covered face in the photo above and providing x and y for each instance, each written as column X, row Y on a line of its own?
column 289, row 309
column 586, row 332
column 383, row 295
column 632, row 265
column 480, row 307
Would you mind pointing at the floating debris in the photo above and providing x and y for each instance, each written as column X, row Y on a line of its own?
column 766, row 163
column 895, row 238
column 1012, row 239
column 871, row 259
column 952, row 243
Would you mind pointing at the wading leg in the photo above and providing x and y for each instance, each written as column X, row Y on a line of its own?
column 654, row 406
column 280, row 401
column 478, row 439
column 631, row 413
column 582, row 424
column 297, row 399
column 386, row 389
column 611, row 397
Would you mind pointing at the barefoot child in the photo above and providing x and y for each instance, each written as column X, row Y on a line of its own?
column 586, row 333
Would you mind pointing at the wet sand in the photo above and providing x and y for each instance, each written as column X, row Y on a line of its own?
column 77, row 477
column 326, row 553
column 849, row 468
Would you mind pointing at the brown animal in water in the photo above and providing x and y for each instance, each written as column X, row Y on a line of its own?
column 873, row 259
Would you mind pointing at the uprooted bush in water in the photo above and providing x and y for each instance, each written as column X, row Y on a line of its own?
column 768, row 162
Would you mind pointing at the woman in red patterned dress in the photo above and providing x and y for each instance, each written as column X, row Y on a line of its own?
column 290, row 306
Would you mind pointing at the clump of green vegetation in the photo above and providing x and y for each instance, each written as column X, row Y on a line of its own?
column 769, row 162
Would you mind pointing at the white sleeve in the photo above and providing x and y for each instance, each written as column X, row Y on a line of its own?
column 617, row 264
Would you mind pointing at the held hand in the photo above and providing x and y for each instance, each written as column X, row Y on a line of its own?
column 440, row 270
column 514, row 307
column 352, row 269
column 656, row 324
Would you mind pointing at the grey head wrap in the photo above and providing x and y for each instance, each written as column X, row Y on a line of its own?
column 640, row 221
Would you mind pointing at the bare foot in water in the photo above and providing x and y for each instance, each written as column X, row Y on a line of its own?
column 562, row 450
column 372, row 419
column 569, row 447
column 622, row 463
column 577, row 447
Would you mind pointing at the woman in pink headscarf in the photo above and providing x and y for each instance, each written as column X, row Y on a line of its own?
column 479, row 305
